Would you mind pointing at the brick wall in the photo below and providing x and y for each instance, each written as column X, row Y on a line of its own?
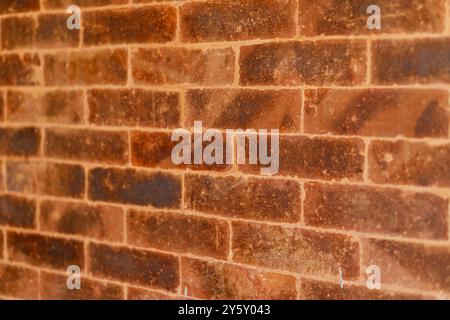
column 86, row 177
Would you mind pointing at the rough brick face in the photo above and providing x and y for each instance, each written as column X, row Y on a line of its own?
column 20, row 141
column 20, row 70
column 18, row 282
column 17, row 211
column 12, row 6
column 18, row 32
column 52, row 32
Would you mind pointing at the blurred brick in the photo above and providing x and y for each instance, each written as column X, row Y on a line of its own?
column 93, row 221
column 52, row 32
column 317, row 158
column 336, row 62
column 324, row 290
column 2, row 106
column 133, row 25
column 18, row 282
column 411, row 61
column 86, row 67
column 140, row 267
column 44, row 251
column 53, row 287
column 178, row 233
column 211, row 280
column 61, row 180
column 129, row 186
column 135, row 293
column 414, row 163
column 17, row 212
column 410, row 265
column 13, row 6
column 20, row 70
column 183, row 66
column 239, row 20
column 345, row 17
column 56, row 106
column 378, row 112
column 295, row 250
column 259, row 199
column 88, row 145
column 244, row 109
column 20, row 141
column 18, row 32
column 63, row 4
column 377, row 210
column 134, row 108
column 2, row 244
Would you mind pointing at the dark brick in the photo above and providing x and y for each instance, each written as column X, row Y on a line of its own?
column 20, row 141
column 20, row 70
column 17, row 211
column 18, row 32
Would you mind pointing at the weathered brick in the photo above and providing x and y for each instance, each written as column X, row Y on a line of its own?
column 259, row 199
column 411, row 61
column 133, row 25
column 317, row 158
column 324, row 290
column 13, row 6
column 93, row 221
column 2, row 106
column 134, row 108
column 63, row 4
column 183, row 66
column 241, row 20
column 336, row 62
column 52, row 32
column 135, row 293
column 17, row 211
column 53, row 179
column 377, row 210
column 140, row 267
column 18, row 32
column 244, row 109
column 416, row 163
column 212, row 280
column 86, row 67
column 18, row 282
column 90, row 145
column 178, row 233
column 410, row 265
column 20, row 70
column 20, row 141
column 338, row 17
column 295, row 250
column 53, row 287
column 56, row 106
column 130, row 186
column 377, row 112
column 43, row 251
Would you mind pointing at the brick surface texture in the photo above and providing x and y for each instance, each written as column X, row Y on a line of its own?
column 86, row 176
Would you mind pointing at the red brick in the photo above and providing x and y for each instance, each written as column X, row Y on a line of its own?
column 244, row 109
column 376, row 210
column 134, row 293
column 344, row 17
column 61, row 180
column 317, row 158
column 56, row 106
column 324, row 290
column 134, row 108
column 92, row 221
column 139, row 267
column 13, row 6
column 20, row 70
column 336, row 62
column 43, row 251
column 52, row 32
column 18, row 32
column 53, row 287
column 133, row 25
column 183, row 66
column 17, row 212
column 413, row 163
column 178, row 233
column 129, row 186
column 18, row 282
column 63, row 4
column 242, row 20
column 88, row 145
column 295, row 250
column 377, row 112
column 211, row 280
column 259, row 199
column 86, row 67
column 410, row 265
column 20, row 141
column 411, row 61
